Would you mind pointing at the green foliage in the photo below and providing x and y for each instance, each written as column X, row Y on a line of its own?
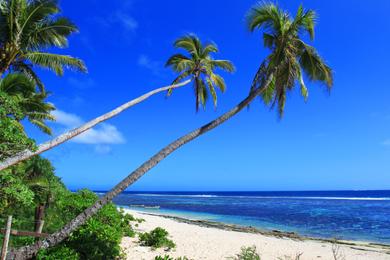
column 12, row 136
column 167, row 257
column 14, row 193
column 59, row 252
column 290, row 56
column 33, row 183
column 26, row 28
column 200, row 65
column 100, row 237
column 32, row 105
column 156, row 238
column 247, row 253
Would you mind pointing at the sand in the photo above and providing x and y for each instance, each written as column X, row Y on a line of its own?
column 201, row 242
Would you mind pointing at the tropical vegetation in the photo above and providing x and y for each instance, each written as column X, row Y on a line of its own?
column 82, row 225
column 199, row 65
column 156, row 238
column 27, row 28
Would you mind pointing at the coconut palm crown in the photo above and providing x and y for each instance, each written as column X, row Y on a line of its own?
column 27, row 28
column 33, row 106
column 291, row 59
column 200, row 65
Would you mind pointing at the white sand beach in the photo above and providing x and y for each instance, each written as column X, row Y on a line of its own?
column 198, row 242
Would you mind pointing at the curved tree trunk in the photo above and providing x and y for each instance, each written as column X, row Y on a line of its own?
column 77, row 131
column 56, row 238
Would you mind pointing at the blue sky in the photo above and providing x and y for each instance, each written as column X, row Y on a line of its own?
column 337, row 141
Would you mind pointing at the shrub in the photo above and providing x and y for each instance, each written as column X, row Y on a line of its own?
column 60, row 252
column 167, row 257
column 247, row 253
column 100, row 236
column 156, row 238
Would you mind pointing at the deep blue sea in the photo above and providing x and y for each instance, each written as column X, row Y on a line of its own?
column 351, row 215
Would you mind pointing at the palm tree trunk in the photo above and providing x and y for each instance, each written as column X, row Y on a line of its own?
column 77, row 131
column 39, row 217
column 56, row 238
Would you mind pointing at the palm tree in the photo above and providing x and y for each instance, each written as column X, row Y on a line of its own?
column 26, row 154
column 268, row 17
column 38, row 176
column 27, row 27
column 201, row 66
column 32, row 105
column 199, row 70
column 290, row 56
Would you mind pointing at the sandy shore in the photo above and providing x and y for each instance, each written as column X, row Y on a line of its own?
column 208, row 240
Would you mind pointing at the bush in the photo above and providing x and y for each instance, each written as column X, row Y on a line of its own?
column 247, row 253
column 156, row 238
column 167, row 257
column 60, row 252
column 100, row 237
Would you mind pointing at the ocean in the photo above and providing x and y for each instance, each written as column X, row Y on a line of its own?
column 350, row 215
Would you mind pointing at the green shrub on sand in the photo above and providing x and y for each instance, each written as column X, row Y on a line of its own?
column 156, row 238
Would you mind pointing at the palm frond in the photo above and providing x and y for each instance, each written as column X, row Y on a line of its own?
column 218, row 81
column 28, row 71
column 179, row 62
column 190, row 43
column 315, row 67
column 264, row 15
column 223, row 64
column 55, row 62
column 209, row 48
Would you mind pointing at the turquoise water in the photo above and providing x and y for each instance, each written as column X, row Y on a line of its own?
column 352, row 215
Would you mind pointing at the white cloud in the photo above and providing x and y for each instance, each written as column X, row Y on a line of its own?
column 104, row 134
column 66, row 119
column 154, row 66
column 127, row 21
column 386, row 142
column 103, row 149
column 118, row 19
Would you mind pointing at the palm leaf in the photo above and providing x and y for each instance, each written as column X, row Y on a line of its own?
column 55, row 62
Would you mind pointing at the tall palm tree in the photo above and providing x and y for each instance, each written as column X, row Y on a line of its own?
column 198, row 67
column 26, row 154
column 33, row 106
column 27, row 28
column 201, row 66
column 290, row 56
column 265, row 80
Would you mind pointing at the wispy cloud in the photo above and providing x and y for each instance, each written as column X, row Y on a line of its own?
column 125, row 20
column 386, row 142
column 102, row 136
column 66, row 119
column 105, row 134
column 153, row 66
column 81, row 83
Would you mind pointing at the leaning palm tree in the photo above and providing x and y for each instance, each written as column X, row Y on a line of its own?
column 14, row 158
column 27, row 28
column 288, row 50
column 201, row 66
column 32, row 105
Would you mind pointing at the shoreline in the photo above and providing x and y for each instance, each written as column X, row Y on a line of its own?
column 217, row 240
column 272, row 233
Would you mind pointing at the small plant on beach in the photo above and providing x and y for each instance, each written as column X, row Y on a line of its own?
column 295, row 257
column 156, row 238
column 247, row 253
column 337, row 252
column 167, row 257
